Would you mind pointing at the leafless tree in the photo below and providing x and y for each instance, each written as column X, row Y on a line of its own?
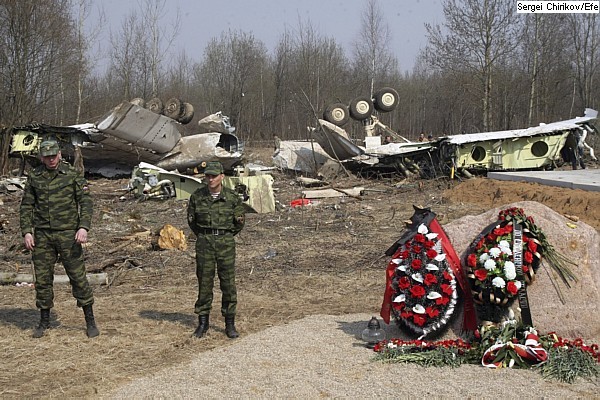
column 585, row 36
column 141, row 47
column 372, row 48
column 476, row 36
column 229, row 78
column 36, row 62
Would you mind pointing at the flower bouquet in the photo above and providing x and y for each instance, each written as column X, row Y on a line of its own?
column 511, row 345
column 490, row 261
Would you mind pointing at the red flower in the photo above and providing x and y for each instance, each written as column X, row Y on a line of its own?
column 417, row 249
column 431, row 253
column 404, row 254
column 481, row 274
column 432, row 312
column 419, row 238
column 406, row 313
column 403, row 283
column 480, row 244
column 525, row 268
column 498, row 231
column 447, row 276
column 508, row 229
column 419, row 320
column 430, row 279
column 429, row 244
column 528, row 257
column 416, row 264
column 442, row 301
column 446, row 288
column 532, row 246
column 472, row 260
column 417, row 291
column 399, row 306
column 511, row 287
column 491, row 237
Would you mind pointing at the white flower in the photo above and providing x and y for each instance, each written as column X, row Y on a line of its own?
column 495, row 252
column 400, row 299
column 483, row 257
column 498, row 282
column 510, row 270
column 391, row 345
column 396, row 260
column 490, row 265
column 432, row 267
column 431, row 235
column 419, row 309
column 417, row 277
column 422, row 229
column 503, row 243
column 433, row 295
column 440, row 257
column 518, row 284
column 401, row 267
column 506, row 250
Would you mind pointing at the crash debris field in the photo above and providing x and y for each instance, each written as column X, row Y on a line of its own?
column 323, row 258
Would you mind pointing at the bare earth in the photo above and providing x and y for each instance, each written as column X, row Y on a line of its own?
column 328, row 261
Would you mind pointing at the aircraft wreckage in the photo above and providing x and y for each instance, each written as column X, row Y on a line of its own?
column 147, row 143
column 130, row 134
column 540, row 147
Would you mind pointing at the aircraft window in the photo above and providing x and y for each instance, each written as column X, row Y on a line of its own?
column 27, row 140
column 478, row 153
column 539, row 148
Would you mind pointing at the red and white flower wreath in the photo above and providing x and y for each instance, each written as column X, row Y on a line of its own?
column 424, row 286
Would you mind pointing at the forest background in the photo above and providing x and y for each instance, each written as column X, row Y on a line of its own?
column 484, row 68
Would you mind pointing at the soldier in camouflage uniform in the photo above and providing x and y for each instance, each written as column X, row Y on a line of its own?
column 215, row 214
column 55, row 216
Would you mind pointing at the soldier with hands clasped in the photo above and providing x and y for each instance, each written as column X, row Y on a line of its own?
column 215, row 214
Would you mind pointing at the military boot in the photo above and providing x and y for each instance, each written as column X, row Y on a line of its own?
column 38, row 332
column 202, row 326
column 230, row 330
column 90, row 323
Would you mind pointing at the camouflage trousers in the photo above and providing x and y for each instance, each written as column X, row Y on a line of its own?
column 49, row 245
column 215, row 252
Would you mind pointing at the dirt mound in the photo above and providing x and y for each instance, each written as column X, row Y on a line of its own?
column 490, row 193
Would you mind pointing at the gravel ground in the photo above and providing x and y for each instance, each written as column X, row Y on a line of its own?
column 321, row 356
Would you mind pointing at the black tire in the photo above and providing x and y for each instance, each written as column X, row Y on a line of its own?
column 138, row 101
column 337, row 114
column 361, row 108
column 188, row 113
column 385, row 99
column 173, row 108
column 155, row 105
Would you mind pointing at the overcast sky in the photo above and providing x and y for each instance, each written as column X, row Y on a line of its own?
column 202, row 20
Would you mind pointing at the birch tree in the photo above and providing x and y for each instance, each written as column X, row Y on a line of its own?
column 476, row 37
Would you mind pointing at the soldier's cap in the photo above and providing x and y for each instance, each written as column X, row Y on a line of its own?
column 49, row 147
column 213, row 168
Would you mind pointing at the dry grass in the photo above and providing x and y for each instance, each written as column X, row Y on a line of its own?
column 329, row 261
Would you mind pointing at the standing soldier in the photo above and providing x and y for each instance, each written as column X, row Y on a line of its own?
column 215, row 214
column 55, row 216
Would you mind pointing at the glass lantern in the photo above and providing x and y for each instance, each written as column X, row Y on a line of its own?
column 373, row 333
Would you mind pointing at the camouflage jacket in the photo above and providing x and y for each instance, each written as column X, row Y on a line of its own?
column 225, row 212
column 55, row 199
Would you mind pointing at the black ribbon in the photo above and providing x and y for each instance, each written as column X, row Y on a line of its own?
column 518, row 261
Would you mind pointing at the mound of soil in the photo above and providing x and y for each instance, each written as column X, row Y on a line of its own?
column 491, row 193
